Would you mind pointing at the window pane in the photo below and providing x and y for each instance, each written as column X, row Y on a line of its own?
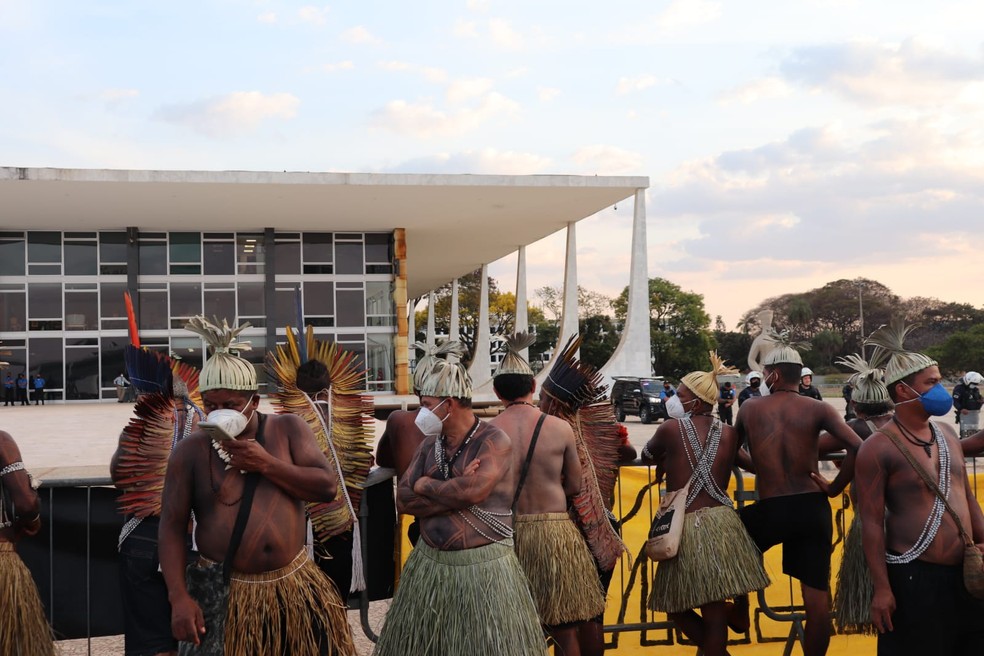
column 44, row 247
column 221, row 304
column 185, row 247
column 286, row 313
column 153, row 310
column 379, row 298
column 44, row 300
column 153, row 258
column 379, row 362
column 80, row 258
column 250, row 300
column 13, row 310
column 319, row 298
column 81, row 310
column 351, row 310
column 12, row 251
column 379, row 248
column 44, row 355
column 186, row 300
column 288, row 258
column 112, row 309
column 349, row 258
column 112, row 248
column 317, row 247
column 82, row 373
column 188, row 349
column 220, row 259
column 111, row 357
column 250, row 253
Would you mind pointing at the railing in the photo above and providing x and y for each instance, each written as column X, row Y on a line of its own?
column 74, row 561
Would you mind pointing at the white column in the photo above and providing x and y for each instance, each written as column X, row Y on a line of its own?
column 411, row 333
column 632, row 356
column 431, row 302
column 454, row 333
column 568, row 319
column 481, row 365
column 522, row 316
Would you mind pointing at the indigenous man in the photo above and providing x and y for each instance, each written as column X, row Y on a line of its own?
column 462, row 591
column 549, row 545
column 23, row 629
column 872, row 408
column 715, row 549
column 401, row 437
column 239, row 584
column 913, row 546
column 783, row 431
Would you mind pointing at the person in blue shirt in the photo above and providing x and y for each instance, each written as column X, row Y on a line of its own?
column 8, row 390
column 39, row 389
column 22, row 389
column 667, row 392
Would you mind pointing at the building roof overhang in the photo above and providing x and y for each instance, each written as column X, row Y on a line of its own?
column 454, row 223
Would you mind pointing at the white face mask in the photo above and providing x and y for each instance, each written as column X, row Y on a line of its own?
column 430, row 424
column 232, row 422
column 674, row 407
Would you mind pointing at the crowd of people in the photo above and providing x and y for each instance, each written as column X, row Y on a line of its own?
column 19, row 391
column 514, row 540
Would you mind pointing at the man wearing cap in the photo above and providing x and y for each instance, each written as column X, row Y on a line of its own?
column 754, row 383
column 914, row 547
column 245, row 476
column 715, row 548
column 462, row 591
column 782, row 431
column 549, row 545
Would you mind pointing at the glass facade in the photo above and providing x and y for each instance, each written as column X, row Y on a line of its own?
column 62, row 312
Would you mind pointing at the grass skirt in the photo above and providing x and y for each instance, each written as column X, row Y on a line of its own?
column 852, row 598
column 717, row 561
column 472, row 602
column 293, row 610
column 24, row 631
column 560, row 568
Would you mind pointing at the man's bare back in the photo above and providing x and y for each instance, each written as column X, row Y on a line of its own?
column 555, row 472
column 399, row 441
column 782, row 431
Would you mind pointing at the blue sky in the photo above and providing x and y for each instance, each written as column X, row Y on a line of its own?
column 787, row 143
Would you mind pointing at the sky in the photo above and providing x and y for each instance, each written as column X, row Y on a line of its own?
column 787, row 144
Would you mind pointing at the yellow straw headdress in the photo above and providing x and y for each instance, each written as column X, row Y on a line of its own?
column 224, row 369
column 704, row 383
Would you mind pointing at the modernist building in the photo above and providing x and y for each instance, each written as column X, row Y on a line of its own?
column 347, row 252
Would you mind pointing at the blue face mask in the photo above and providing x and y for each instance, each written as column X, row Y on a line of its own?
column 936, row 401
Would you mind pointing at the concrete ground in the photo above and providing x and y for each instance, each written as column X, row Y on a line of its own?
column 78, row 439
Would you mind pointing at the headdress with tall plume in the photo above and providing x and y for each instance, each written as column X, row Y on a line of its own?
column 784, row 351
column 224, row 369
column 513, row 361
column 345, row 435
column 866, row 379
column 704, row 383
column 889, row 343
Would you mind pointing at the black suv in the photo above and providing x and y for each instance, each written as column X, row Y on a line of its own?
column 638, row 396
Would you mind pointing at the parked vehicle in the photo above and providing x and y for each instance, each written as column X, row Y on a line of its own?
column 638, row 396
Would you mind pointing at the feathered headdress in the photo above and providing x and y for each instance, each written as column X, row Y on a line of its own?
column 784, row 350
column 704, row 383
column 889, row 343
column 447, row 377
column 513, row 361
column 867, row 378
column 345, row 435
column 224, row 369
column 573, row 391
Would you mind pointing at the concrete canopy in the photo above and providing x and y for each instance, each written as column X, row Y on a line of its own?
column 454, row 223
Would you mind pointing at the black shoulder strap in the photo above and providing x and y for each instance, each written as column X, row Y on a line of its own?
column 529, row 458
column 245, row 505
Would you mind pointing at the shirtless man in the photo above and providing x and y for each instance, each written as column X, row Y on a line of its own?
column 715, row 547
column 460, row 485
column 24, row 629
column 782, row 431
column 567, row 593
column 912, row 545
column 206, row 476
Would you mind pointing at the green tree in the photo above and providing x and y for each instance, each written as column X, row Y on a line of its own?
column 679, row 327
column 960, row 352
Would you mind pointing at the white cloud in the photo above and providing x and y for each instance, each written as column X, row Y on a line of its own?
column 461, row 91
column 429, row 73
column 488, row 161
column 638, row 83
column 478, row 5
column 360, row 35
column 313, row 15
column 608, row 160
column 423, row 120
column 503, row 34
column 334, row 67
column 267, row 17
column 682, row 14
column 761, row 89
column 232, row 114
column 465, row 29
column 116, row 96
column 546, row 94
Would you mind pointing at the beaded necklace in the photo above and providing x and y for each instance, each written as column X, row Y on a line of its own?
column 440, row 451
